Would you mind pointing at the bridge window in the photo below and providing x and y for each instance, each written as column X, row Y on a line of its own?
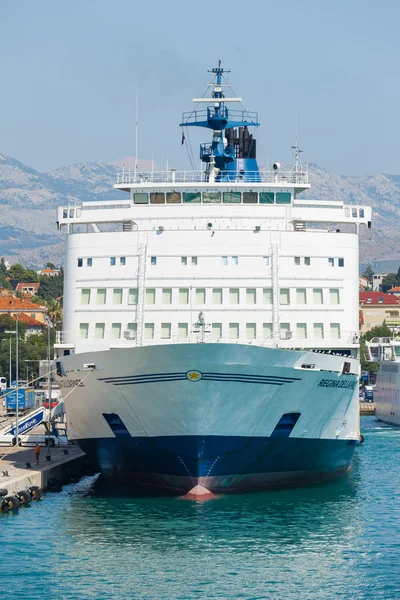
column 85, row 296
column 165, row 331
column 249, row 197
column 101, row 296
column 184, row 260
column 83, row 331
column 233, row 331
column 99, row 331
column 217, row 296
column 113, row 261
column 335, row 331
column 318, row 331
column 267, row 330
column 183, row 295
column 173, row 197
column 182, row 330
column 251, row 331
column 200, row 296
column 122, row 261
column 157, row 198
column 235, row 260
column 89, row 262
column 216, row 331
column 283, row 198
column 234, row 296
column 140, row 198
column 132, row 296
column 267, row 296
column 361, row 213
column 131, row 331
column 148, row 331
column 117, row 296
column 150, row 296
column 153, row 260
column 194, row 260
column 284, row 331
column 211, row 197
column 80, row 262
column 341, row 262
column 318, row 296
column 266, row 197
column 251, row 296
column 307, row 261
column 301, row 331
column 193, row 197
column 334, row 296
column 331, row 262
column 224, row 260
column 301, row 296
column 167, row 296
column 115, row 331
column 284, row 296
column 232, row 197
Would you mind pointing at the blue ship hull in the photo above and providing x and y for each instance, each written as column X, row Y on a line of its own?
column 221, row 464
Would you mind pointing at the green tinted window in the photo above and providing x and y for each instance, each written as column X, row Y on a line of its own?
column 232, row 197
column 266, row 197
column 249, row 197
column 173, row 197
column 140, row 198
column 194, row 197
column 211, row 197
column 283, row 198
column 157, row 198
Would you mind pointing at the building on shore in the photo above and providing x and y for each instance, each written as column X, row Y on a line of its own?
column 377, row 308
column 377, row 281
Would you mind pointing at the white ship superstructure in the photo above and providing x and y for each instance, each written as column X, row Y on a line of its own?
column 211, row 321
column 386, row 351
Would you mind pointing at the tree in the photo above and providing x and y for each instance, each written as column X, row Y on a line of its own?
column 19, row 274
column 54, row 312
column 50, row 265
column 368, row 273
column 3, row 268
column 7, row 323
column 51, row 288
column 389, row 281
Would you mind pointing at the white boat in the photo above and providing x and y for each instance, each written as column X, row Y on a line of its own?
column 210, row 331
column 386, row 351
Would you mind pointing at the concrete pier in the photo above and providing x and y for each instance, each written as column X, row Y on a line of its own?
column 367, row 409
column 14, row 460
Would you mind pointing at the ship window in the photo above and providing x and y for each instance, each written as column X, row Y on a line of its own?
column 341, row 262
column 354, row 213
column 251, row 331
column 267, row 296
column 99, row 331
column 307, row 261
column 148, row 331
column 184, row 260
column 335, row 331
column 249, row 197
column 157, row 198
column 131, row 331
column 71, row 213
column 165, row 331
column 217, row 296
column 331, row 262
column 301, row 296
column 183, row 330
column 267, row 331
column 234, row 296
column 132, row 296
column 232, row 197
column 183, row 295
column 167, row 296
column 235, row 260
column 200, row 296
column 89, row 262
column 80, row 262
column 115, row 331
column 150, row 296
column 211, row 197
column 284, row 296
column 301, row 331
column 224, row 260
column 318, row 296
column 153, row 260
column 194, row 260
column 284, row 331
column 122, row 261
column 266, row 260
column 334, row 296
column 361, row 213
column 233, row 331
column 141, row 198
column 297, row 260
column 193, row 197
column 318, row 331
column 347, row 211
column 117, row 296
column 251, row 296
column 101, row 296
column 283, row 198
column 113, row 261
column 216, row 331
column 83, row 331
column 85, row 296
column 173, row 197
column 266, row 197
column 65, row 213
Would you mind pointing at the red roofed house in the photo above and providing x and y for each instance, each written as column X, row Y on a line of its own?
column 27, row 289
column 394, row 291
column 34, row 326
column 12, row 306
column 50, row 272
column 376, row 308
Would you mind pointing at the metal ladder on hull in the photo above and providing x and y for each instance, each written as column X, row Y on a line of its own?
column 142, row 261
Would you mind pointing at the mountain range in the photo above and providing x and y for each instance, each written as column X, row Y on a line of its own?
column 28, row 200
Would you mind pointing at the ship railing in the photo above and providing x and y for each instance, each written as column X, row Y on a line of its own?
column 283, row 176
column 240, row 116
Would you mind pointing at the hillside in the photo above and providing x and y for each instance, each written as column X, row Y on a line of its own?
column 28, row 200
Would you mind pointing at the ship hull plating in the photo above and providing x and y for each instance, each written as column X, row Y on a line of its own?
column 229, row 417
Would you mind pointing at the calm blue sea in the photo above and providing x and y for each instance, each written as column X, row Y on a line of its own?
column 338, row 540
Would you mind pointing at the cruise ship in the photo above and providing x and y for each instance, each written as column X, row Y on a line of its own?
column 386, row 351
column 210, row 333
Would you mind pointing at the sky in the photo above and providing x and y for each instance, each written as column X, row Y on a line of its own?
column 69, row 74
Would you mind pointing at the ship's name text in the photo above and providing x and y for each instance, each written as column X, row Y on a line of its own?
column 336, row 383
column 69, row 383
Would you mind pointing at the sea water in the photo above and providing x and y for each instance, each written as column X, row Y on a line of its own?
column 336, row 540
